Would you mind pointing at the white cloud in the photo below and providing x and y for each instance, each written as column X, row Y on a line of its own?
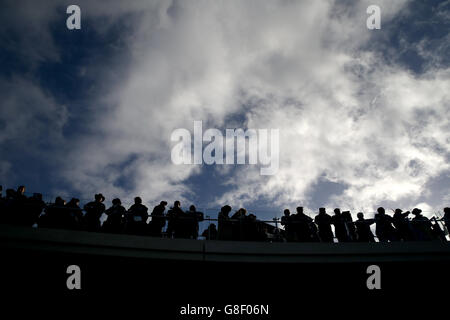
column 289, row 65
column 341, row 111
column 28, row 115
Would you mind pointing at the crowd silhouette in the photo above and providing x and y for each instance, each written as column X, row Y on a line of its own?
column 18, row 209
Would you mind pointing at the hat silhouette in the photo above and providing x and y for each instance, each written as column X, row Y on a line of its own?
column 99, row 197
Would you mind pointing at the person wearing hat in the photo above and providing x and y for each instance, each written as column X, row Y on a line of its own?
column 384, row 229
column 323, row 221
column 421, row 226
column 74, row 213
column 94, row 211
column 158, row 221
column 402, row 224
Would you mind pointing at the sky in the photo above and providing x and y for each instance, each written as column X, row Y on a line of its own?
column 363, row 115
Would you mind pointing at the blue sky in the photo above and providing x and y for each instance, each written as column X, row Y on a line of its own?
column 364, row 115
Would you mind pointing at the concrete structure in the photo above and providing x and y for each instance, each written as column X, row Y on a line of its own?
column 129, row 246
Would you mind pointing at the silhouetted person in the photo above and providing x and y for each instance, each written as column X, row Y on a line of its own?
column 94, row 211
column 384, row 229
column 323, row 221
column 225, row 231
column 115, row 221
column 193, row 218
column 20, row 214
column 210, row 233
column 57, row 215
column 401, row 223
column 302, row 227
column 20, row 193
column 437, row 232
column 340, row 226
column 26, row 211
column 239, row 222
column 363, row 231
column 447, row 218
column 36, row 206
column 8, row 207
column 75, row 215
column 2, row 205
column 351, row 229
column 286, row 221
column 136, row 217
column 314, row 231
column 274, row 236
column 178, row 222
column 421, row 226
column 171, row 218
column 253, row 230
column 158, row 221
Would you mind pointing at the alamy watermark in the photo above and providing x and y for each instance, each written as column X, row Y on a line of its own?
column 74, row 278
column 73, row 22
column 237, row 144
column 374, row 20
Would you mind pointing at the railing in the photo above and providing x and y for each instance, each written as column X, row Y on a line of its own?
column 275, row 223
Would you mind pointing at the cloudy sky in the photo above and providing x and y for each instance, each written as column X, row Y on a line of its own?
column 363, row 115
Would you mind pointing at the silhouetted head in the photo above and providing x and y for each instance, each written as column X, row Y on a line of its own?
column 192, row 208
column 337, row 211
column 242, row 211
column 74, row 201
column 116, row 202
column 416, row 211
column 398, row 211
column 322, row 210
column 99, row 197
column 299, row 209
column 447, row 210
column 381, row 210
column 37, row 196
column 287, row 212
column 59, row 201
column 163, row 203
column 226, row 209
column 137, row 200
column 212, row 226
column 21, row 190
column 177, row 204
column 10, row 193
column 360, row 215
